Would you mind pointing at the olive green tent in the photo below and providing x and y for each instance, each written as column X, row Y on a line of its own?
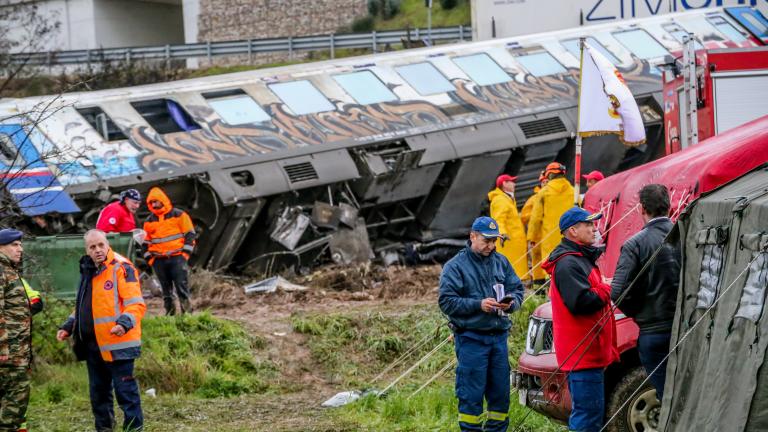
column 715, row 378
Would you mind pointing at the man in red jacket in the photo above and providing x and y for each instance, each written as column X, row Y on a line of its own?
column 582, row 319
column 119, row 215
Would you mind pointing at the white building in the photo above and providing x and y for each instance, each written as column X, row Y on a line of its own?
column 505, row 18
column 89, row 24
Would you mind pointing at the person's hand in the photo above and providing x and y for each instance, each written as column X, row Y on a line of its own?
column 117, row 330
column 3, row 359
column 505, row 306
column 61, row 335
column 490, row 305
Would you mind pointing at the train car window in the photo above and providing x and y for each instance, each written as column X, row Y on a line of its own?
column 540, row 63
column 751, row 19
column 8, row 156
column 727, row 29
column 679, row 34
column 302, row 97
column 641, row 44
column 235, row 107
column 572, row 45
column 365, row 87
column 99, row 120
column 425, row 78
column 165, row 116
column 482, row 69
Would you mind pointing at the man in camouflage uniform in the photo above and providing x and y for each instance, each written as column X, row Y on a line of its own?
column 15, row 334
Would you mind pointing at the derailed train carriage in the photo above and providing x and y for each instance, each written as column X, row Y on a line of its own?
column 353, row 157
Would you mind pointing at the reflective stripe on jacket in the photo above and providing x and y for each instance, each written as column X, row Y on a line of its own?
column 169, row 230
column 116, row 299
column 35, row 300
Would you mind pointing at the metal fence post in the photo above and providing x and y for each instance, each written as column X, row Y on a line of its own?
column 461, row 33
column 168, row 56
column 208, row 49
column 128, row 56
column 290, row 47
column 88, row 56
column 333, row 45
column 250, row 51
column 373, row 40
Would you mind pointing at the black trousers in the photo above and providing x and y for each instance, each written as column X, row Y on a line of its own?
column 103, row 377
column 173, row 272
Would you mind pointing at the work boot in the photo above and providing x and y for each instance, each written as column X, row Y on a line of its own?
column 186, row 306
column 170, row 306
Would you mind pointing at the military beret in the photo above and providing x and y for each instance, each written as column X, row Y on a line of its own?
column 9, row 235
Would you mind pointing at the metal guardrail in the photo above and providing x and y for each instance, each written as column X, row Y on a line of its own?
column 249, row 47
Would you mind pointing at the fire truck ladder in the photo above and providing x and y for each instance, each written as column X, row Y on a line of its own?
column 690, row 91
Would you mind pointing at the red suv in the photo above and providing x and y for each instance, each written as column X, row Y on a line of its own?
column 544, row 389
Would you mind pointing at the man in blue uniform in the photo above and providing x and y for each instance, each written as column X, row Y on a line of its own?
column 478, row 287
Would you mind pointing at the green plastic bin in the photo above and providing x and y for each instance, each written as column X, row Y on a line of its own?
column 52, row 263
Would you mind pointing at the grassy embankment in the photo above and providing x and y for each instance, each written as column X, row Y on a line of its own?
column 213, row 374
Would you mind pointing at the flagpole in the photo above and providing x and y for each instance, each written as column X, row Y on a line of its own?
column 577, row 158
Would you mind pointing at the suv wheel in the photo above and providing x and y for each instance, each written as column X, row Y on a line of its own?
column 641, row 413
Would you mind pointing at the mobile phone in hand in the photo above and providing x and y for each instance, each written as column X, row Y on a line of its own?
column 506, row 300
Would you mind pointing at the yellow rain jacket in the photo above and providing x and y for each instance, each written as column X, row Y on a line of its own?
column 525, row 215
column 504, row 211
column 544, row 225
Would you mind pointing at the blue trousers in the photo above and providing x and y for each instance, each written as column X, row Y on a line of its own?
column 653, row 347
column 482, row 373
column 587, row 389
column 102, row 378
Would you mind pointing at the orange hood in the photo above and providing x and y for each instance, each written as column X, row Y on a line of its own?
column 157, row 194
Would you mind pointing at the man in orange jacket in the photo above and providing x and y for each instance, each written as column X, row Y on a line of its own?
column 169, row 242
column 106, row 326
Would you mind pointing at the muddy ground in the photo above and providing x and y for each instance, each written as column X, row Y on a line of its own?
column 328, row 290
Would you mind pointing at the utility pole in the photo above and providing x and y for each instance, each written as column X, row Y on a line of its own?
column 428, row 4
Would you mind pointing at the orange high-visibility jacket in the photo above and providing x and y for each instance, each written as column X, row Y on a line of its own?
column 169, row 230
column 116, row 299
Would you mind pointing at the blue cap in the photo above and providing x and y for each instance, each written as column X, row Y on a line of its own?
column 9, row 235
column 486, row 226
column 576, row 215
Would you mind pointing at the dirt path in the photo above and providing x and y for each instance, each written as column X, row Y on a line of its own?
column 329, row 290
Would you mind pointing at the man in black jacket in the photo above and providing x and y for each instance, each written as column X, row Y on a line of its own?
column 651, row 298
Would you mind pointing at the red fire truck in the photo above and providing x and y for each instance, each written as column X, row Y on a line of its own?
column 708, row 96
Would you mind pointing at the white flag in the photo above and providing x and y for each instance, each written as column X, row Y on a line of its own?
column 606, row 106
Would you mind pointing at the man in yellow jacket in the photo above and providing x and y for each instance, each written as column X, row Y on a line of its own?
column 556, row 199
column 504, row 211
column 539, row 275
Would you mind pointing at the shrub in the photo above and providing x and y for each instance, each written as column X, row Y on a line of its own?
column 448, row 4
column 390, row 8
column 374, row 7
column 363, row 24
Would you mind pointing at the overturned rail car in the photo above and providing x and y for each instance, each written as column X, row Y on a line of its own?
column 344, row 158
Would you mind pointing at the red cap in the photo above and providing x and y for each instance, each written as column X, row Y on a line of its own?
column 503, row 178
column 594, row 175
column 554, row 168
